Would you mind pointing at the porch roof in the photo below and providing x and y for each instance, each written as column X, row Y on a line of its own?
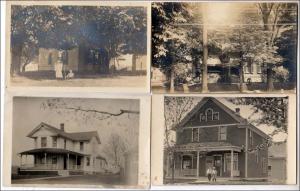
column 50, row 150
column 207, row 147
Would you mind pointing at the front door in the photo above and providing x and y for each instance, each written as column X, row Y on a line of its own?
column 218, row 164
column 65, row 163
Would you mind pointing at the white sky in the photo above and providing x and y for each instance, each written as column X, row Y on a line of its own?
column 28, row 113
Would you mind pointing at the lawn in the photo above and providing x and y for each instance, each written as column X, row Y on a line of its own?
column 112, row 81
column 108, row 180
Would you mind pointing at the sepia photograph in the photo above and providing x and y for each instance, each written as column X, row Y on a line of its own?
column 90, row 45
column 76, row 142
column 225, row 140
column 224, row 47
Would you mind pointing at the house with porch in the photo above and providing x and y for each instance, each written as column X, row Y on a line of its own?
column 58, row 152
column 87, row 60
column 213, row 135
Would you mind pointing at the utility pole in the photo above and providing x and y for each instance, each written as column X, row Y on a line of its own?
column 204, row 88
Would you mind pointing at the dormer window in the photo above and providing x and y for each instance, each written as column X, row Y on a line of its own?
column 209, row 115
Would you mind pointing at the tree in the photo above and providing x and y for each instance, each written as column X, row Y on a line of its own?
column 275, row 24
column 169, row 41
column 287, row 41
column 115, row 149
column 175, row 109
column 245, row 44
column 117, row 30
column 59, row 105
column 272, row 110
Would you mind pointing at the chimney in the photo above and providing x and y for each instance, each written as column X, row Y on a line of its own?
column 62, row 126
column 237, row 111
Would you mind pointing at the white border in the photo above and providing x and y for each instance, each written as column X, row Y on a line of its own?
column 144, row 139
column 113, row 89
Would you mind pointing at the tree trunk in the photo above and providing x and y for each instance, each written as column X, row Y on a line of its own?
column 243, row 87
column 15, row 67
column 172, row 79
column 204, row 88
column 270, row 85
column 173, row 167
column 267, row 27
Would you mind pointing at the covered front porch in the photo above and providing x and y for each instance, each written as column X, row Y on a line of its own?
column 51, row 159
column 193, row 159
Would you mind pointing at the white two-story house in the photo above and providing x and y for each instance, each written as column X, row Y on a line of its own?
column 64, row 152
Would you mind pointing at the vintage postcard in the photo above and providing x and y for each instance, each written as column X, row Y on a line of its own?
column 78, row 142
column 103, row 45
column 228, row 47
column 223, row 140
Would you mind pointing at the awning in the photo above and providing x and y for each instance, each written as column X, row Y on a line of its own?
column 50, row 150
column 206, row 147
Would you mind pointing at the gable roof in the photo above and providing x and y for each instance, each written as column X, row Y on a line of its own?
column 240, row 120
column 78, row 136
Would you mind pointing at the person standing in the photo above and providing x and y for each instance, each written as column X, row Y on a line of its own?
column 214, row 174
column 208, row 173
column 59, row 66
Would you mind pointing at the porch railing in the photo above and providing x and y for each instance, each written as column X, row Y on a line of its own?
column 48, row 167
column 185, row 172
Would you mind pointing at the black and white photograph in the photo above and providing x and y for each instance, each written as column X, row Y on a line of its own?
column 90, row 45
column 228, row 47
column 75, row 142
column 225, row 140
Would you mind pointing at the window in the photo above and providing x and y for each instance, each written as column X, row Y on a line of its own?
column 186, row 162
column 88, row 161
column 44, row 142
column 50, row 59
column 215, row 116
column 248, row 68
column 54, row 160
column 195, row 135
column 35, row 142
column 209, row 114
column 54, row 141
column 81, row 146
column 222, row 133
column 250, row 138
column 259, row 68
column 228, row 162
column 202, row 117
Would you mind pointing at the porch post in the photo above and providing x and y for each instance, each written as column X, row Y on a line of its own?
column 68, row 165
column 197, row 163
column 76, row 162
column 246, row 154
column 231, row 165
column 20, row 160
column 45, row 159
column 181, row 159
column 25, row 159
